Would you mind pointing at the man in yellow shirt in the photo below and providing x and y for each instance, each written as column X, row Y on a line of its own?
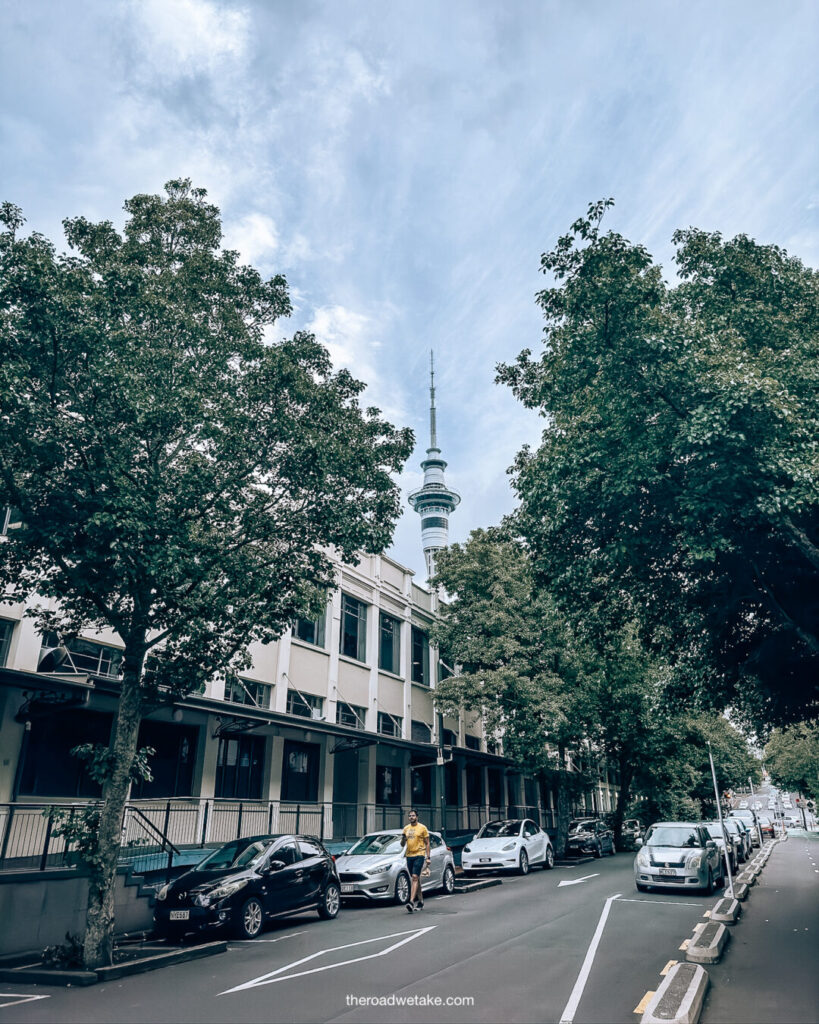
column 415, row 838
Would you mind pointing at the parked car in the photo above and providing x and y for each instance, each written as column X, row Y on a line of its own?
column 716, row 833
column 515, row 844
column 766, row 825
column 678, row 855
column 589, row 835
column 631, row 830
column 740, row 829
column 743, row 805
column 239, row 886
column 375, row 868
column 749, row 817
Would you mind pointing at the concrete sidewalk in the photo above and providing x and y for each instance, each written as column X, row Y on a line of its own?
column 769, row 973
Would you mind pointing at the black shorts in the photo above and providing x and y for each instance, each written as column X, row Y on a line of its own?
column 415, row 865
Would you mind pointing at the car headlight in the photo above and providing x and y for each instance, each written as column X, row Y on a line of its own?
column 379, row 869
column 643, row 859
column 163, row 892
column 694, row 861
column 509, row 846
column 221, row 892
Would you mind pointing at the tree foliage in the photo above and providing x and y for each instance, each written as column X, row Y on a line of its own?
column 677, row 475
column 181, row 476
column 792, row 758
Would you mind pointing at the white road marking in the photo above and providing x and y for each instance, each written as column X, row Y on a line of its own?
column 18, row 998
column 271, row 978
column 567, row 1017
column 252, row 942
column 665, row 903
column 577, row 881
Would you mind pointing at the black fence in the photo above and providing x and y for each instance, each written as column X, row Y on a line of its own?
column 156, row 833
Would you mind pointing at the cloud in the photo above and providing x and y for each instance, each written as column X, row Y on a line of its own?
column 255, row 238
column 185, row 36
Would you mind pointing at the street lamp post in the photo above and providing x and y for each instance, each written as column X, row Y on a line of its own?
column 756, row 816
column 730, row 890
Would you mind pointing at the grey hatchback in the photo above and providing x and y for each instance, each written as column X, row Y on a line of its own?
column 676, row 855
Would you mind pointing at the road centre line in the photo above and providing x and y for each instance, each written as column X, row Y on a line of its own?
column 271, row 978
column 567, row 1017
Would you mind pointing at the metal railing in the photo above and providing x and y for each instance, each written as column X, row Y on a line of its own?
column 156, row 834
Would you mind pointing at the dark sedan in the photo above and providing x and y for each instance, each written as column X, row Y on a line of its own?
column 590, row 835
column 242, row 884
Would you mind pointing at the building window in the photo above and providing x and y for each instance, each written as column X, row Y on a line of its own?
column 246, row 691
column 389, row 725
column 300, row 772
column 172, row 764
column 305, row 705
column 49, row 769
column 388, row 785
column 389, row 644
column 353, row 640
column 421, row 779
column 473, row 742
column 420, row 656
column 83, row 657
column 6, row 630
column 351, row 715
column 449, row 739
column 421, row 732
column 239, row 767
column 311, row 631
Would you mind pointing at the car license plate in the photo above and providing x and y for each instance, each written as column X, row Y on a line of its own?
column 347, row 888
column 486, row 860
column 180, row 915
column 668, row 871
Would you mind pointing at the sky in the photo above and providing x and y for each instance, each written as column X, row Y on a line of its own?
column 406, row 164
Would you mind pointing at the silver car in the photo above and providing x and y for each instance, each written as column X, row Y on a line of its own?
column 735, row 843
column 375, row 868
column 678, row 855
column 740, row 829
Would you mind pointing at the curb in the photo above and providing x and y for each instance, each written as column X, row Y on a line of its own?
column 708, row 943
column 679, row 998
column 726, row 910
column 43, row 976
column 473, row 885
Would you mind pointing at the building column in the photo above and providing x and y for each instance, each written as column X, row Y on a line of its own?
column 333, row 639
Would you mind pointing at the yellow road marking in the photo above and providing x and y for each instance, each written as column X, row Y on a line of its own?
column 641, row 1006
column 668, row 967
column 685, row 943
column 707, row 913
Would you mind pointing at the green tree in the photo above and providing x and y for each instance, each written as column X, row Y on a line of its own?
column 521, row 667
column 677, row 475
column 792, row 758
column 180, row 475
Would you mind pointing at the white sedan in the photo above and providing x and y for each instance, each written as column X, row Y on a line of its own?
column 512, row 845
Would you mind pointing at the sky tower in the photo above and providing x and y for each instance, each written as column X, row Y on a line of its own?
column 434, row 501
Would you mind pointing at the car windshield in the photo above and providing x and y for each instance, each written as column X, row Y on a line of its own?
column 493, row 829
column 672, row 835
column 580, row 826
column 239, row 854
column 377, row 843
column 714, row 830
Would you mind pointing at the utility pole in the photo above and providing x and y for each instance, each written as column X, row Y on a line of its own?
column 756, row 816
column 725, row 838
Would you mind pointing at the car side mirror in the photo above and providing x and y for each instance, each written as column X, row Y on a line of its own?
column 274, row 865
column 710, row 845
column 638, row 842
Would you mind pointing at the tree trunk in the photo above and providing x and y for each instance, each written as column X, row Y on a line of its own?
column 623, row 797
column 563, row 809
column 99, row 922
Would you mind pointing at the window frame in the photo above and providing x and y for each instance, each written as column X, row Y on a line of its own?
column 395, row 652
column 419, row 675
column 303, row 701
column 353, row 610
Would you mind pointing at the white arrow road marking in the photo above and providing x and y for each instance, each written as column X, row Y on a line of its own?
column 18, row 998
column 577, row 881
column 271, row 978
column 567, row 1017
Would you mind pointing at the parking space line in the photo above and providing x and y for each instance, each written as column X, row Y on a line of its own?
column 567, row 1017
column 18, row 997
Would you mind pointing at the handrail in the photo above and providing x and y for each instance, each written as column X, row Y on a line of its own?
column 165, row 842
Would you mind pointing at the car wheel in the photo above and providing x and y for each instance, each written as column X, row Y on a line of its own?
column 402, row 890
column 330, row 902
column 250, row 920
column 549, row 859
column 598, row 851
column 448, row 883
column 523, row 866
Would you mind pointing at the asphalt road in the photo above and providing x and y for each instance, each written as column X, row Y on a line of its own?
column 529, row 950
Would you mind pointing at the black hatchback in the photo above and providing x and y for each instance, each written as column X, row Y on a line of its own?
column 244, row 883
column 590, row 835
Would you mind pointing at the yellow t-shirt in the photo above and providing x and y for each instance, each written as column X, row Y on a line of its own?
column 417, row 836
